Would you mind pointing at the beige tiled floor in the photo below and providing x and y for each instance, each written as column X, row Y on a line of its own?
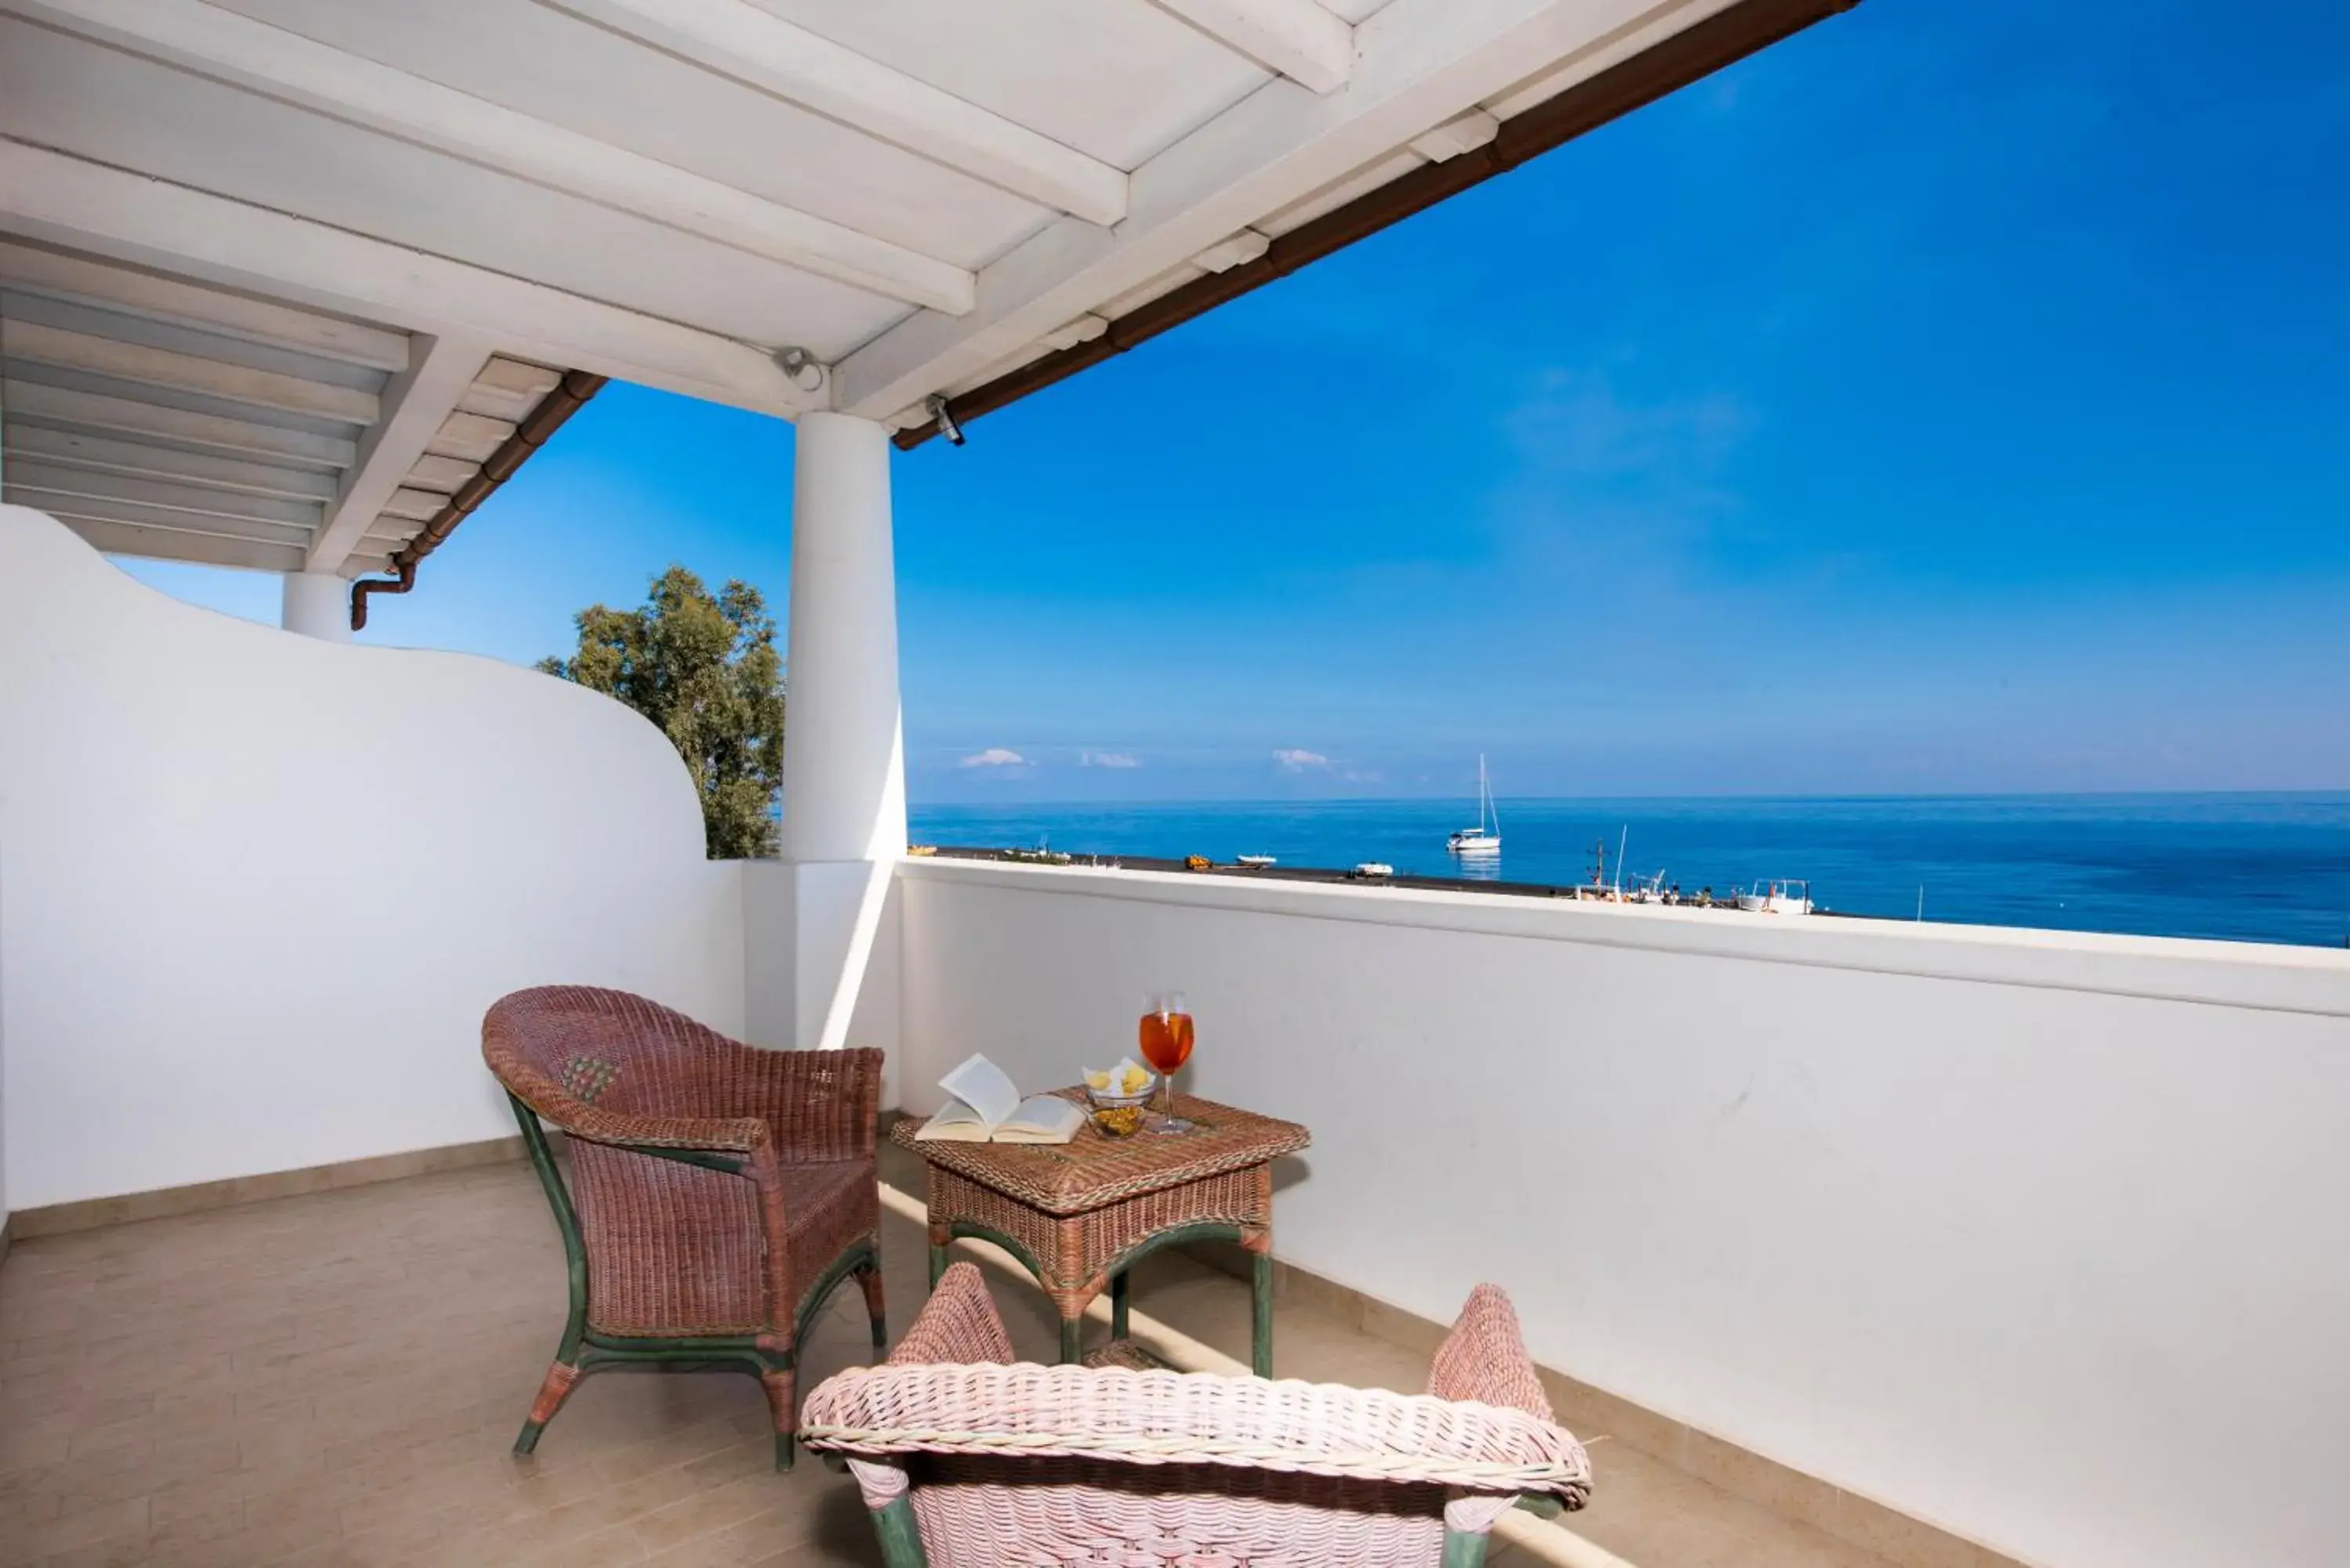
column 334, row 1379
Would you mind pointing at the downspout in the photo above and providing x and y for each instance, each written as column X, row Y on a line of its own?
column 576, row 387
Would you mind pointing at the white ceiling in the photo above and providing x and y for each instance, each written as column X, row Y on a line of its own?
column 921, row 193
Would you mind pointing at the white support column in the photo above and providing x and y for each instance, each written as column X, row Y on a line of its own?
column 317, row 603
column 844, row 766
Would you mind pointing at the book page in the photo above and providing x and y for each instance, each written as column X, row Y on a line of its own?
column 981, row 1085
column 954, row 1123
column 1042, row 1118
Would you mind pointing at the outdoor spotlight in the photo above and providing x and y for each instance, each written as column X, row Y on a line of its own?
column 800, row 365
column 947, row 426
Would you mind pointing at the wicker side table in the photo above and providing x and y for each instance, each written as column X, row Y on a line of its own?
column 1081, row 1214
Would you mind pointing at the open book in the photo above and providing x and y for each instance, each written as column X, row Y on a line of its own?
column 986, row 1108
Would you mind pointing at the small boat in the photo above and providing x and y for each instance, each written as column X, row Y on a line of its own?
column 1651, row 891
column 1043, row 855
column 1779, row 898
column 1486, row 838
column 1254, row 862
column 1370, row 870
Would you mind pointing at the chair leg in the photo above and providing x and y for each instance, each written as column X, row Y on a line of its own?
column 780, row 1383
column 868, row 1280
column 561, row 1378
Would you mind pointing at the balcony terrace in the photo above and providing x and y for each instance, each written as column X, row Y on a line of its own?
column 334, row 1379
column 1858, row 1243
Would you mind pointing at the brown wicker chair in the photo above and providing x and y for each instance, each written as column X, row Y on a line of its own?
column 968, row 1461
column 719, row 1193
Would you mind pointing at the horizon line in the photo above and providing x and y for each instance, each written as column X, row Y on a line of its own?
column 2340, row 790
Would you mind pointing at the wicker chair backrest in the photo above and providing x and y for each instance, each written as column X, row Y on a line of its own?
column 969, row 1460
column 558, row 1047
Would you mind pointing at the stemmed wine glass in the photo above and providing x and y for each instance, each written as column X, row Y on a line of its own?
column 1167, row 1045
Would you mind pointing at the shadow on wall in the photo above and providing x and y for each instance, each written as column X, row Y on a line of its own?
column 259, row 888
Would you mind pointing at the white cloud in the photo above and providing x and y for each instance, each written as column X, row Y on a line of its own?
column 1109, row 759
column 1293, row 760
column 993, row 757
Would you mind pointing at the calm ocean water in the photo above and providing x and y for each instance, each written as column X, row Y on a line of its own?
column 2251, row 867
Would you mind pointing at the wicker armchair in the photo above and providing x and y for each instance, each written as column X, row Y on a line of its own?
column 718, row 1193
column 967, row 1461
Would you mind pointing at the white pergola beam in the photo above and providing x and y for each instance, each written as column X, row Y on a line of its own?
column 1461, row 133
column 412, row 506
column 415, row 404
column 35, row 343
column 1296, row 38
column 434, row 472
column 119, row 535
column 509, row 390
column 1244, row 247
column 1417, row 65
column 738, row 40
column 470, row 438
column 30, row 401
column 165, row 299
column 218, row 43
column 201, row 506
column 72, row 200
column 140, row 460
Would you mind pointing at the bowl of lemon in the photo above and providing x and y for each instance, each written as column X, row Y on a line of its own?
column 1116, row 1098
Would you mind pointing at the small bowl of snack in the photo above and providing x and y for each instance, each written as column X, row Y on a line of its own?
column 1117, row 1099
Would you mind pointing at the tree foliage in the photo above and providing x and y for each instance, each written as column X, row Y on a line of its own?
column 704, row 668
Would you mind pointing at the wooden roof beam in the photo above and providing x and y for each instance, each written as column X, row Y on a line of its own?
column 415, row 404
column 167, row 299
column 35, row 343
column 223, row 44
column 60, row 198
column 744, row 43
column 32, row 403
column 120, row 535
column 1424, row 67
column 170, row 503
column 1417, row 65
column 1296, row 38
column 21, row 439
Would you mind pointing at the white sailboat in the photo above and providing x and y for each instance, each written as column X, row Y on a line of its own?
column 1486, row 838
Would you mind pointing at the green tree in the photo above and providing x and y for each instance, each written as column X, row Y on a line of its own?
column 704, row 668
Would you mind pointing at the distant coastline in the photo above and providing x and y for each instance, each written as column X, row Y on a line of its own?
column 2270, row 866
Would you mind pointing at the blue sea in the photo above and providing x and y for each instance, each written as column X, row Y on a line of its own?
column 2246, row 868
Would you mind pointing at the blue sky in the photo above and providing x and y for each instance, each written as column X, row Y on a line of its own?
column 1955, row 398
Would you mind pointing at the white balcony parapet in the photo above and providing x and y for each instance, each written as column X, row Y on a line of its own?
column 1972, row 1222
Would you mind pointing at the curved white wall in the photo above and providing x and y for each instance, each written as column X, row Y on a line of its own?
column 256, row 889
column 2034, row 1235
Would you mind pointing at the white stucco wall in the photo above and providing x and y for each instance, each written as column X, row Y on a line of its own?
column 2035, row 1236
column 259, row 888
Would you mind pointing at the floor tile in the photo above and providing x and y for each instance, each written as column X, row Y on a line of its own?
column 334, row 1380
